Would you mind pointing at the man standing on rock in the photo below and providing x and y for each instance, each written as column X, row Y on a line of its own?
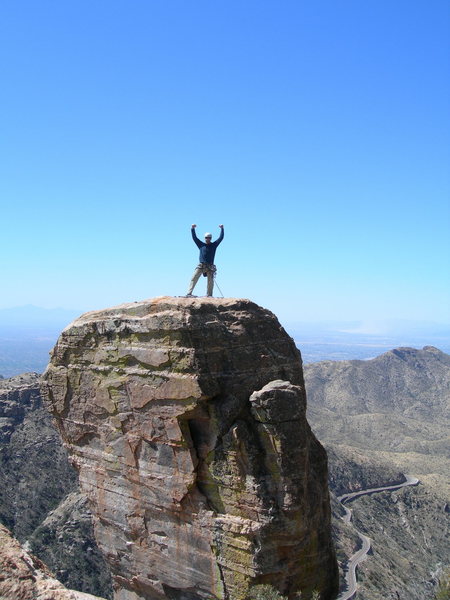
column 206, row 266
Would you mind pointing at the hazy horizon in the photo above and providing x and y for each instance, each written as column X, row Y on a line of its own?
column 29, row 313
column 28, row 333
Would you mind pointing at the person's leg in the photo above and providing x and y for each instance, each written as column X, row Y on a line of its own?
column 195, row 278
column 210, row 288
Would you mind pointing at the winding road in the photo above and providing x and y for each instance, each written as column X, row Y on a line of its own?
column 360, row 555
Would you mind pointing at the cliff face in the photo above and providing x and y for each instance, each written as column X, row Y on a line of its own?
column 186, row 421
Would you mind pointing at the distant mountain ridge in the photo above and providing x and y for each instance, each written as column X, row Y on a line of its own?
column 405, row 381
column 398, row 402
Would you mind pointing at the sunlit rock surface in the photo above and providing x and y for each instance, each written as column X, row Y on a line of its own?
column 186, row 420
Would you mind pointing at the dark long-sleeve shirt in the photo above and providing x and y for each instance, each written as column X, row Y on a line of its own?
column 207, row 251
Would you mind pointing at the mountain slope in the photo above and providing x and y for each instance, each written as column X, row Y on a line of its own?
column 39, row 502
column 377, row 418
column 397, row 406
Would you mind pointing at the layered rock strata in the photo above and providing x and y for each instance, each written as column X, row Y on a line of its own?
column 186, row 421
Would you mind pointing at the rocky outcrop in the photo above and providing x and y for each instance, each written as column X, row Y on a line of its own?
column 24, row 577
column 39, row 498
column 186, row 421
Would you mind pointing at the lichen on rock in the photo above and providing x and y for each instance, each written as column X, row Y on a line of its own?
column 186, row 421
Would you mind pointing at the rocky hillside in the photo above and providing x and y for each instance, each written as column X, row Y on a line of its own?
column 34, row 469
column 186, row 421
column 379, row 418
column 410, row 542
column 397, row 406
column 404, row 381
column 39, row 498
column 24, row 577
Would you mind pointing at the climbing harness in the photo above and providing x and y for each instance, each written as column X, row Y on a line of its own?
column 207, row 268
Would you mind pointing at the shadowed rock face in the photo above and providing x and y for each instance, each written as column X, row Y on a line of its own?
column 34, row 472
column 186, row 421
column 38, row 498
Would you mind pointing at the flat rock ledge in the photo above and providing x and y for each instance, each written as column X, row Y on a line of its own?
column 185, row 418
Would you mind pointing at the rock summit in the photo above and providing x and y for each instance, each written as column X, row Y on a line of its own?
column 185, row 418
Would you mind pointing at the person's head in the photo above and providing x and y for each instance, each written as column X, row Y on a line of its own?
column 208, row 238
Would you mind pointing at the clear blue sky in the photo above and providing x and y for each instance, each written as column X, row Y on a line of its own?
column 317, row 132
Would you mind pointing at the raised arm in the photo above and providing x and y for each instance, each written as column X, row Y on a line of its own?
column 220, row 238
column 194, row 236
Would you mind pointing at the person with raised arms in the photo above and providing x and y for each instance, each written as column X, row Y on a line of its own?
column 206, row 266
